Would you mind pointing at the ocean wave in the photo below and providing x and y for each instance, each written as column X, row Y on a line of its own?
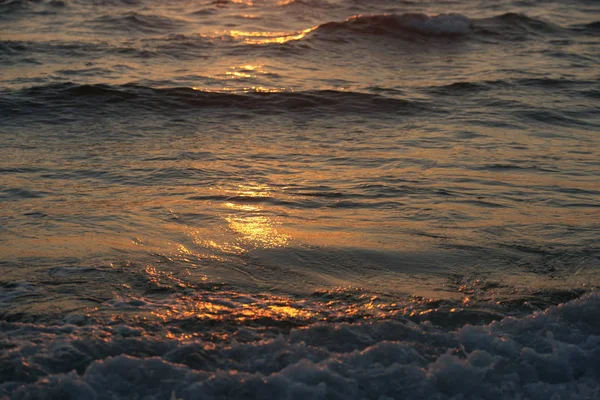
column 166, row 39
column 460, row 88
column 386, row 24
column 444, row 351
column 514, row 26
column 552, row 83
column 556, row 117
column 64, row 49
column 113, row 3
column 171, row 46
column 411, row 26
column 179, row 46
column 400, row 26
column 8, row 6
column 136, row 22
column 592, row 27
column 125, row 98
column 312, row 4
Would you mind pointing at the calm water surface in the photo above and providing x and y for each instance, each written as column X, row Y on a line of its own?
column 299, row 199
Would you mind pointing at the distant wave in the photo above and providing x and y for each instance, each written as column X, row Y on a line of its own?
column 408, row 26
column 439, row 25
column 165, row 36
column 124, row 98
column 514, row 26
column 305, row 3
column 171, row 46
column 461, row 88
column 401, row 26
column 25, row 3
column 118, row 2
column 507, row 26
column 592, row 27
column 133, row 21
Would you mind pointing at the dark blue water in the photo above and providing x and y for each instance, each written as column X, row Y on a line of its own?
column 299, row 199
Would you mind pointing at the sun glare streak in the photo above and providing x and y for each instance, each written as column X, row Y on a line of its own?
column 249, row 309
column 248, row 89
column 248, row 226
column 225, row 248
column 245, row 71
column 257, row 190
column 237, row 74
column 269, row 37
column 258, row 230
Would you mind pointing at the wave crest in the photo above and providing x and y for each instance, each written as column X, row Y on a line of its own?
column 133, row 21
column 514, row 26
column 125, row 98
column 439, row 25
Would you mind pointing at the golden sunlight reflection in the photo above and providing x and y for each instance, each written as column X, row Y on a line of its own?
column 258, row 230
column 247, row 308
column 244, row 71
column 225, row 247
column 248, row 226
column 262, row 89
column 269, row 37
column 250, row 67
column 238, row 74
column 251, row 223
column 184, row 250
column 209, row 308
column 249, row 89
column 253, row 190
column 288, row 311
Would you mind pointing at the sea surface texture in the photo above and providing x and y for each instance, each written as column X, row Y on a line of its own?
column 299, row 199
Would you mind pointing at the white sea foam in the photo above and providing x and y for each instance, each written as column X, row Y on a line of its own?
column 549, row 354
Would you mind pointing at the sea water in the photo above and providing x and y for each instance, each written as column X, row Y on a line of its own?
column 297, row 199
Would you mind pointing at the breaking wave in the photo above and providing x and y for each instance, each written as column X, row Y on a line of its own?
column 508, row 26
column 436, row 352
column 70, row 96
column 132, row 21
column 439, row 25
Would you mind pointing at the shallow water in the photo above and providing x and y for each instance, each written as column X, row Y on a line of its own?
column 212, row 193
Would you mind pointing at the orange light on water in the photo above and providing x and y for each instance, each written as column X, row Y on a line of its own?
column 208, row 308
column 269, row 37
column 257, row 230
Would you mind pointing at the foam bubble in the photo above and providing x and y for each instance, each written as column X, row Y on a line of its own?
column 549, row 353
